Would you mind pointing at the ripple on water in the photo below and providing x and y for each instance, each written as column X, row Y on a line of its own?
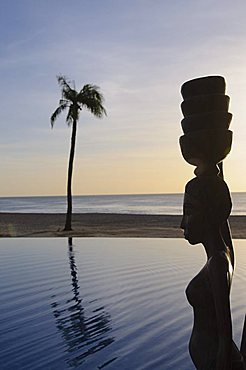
column 107, row 303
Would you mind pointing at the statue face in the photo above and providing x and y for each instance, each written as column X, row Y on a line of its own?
column 193, row 221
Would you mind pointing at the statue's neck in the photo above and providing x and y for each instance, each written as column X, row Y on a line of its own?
column 214, row 243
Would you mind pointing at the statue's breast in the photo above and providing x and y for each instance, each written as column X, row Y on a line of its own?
column 199, row 292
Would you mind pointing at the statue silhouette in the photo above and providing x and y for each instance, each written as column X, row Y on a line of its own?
column 207, row 206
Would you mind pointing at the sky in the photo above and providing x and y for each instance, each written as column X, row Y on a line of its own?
column 139, row 52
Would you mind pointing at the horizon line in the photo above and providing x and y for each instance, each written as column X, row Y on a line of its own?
column 98, row 195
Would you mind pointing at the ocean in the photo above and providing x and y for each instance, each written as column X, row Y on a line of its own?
column 169, row 204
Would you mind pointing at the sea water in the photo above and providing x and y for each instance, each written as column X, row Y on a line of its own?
column 103, row 303
column 169, row 204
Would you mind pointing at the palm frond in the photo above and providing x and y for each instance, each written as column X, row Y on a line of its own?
column 64, row 101
column 73, row 114
column 92, row 99
column 70, row 95
column 57, row 112
column 69, row 118
column 88, row 97
column 63, row 82
column 67, row 92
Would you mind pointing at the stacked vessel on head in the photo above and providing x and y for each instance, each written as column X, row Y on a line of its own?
column 207, row 139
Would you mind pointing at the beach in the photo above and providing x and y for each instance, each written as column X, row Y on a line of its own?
column 102, row 225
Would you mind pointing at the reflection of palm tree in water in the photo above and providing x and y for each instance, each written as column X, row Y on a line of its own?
column 82, row 336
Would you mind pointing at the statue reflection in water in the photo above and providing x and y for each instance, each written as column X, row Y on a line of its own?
column 207, row 206
column 83, row 335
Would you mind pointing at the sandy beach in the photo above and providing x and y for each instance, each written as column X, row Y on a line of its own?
column 101, row 225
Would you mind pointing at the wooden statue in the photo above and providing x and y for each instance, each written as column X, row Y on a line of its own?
column 207, row 206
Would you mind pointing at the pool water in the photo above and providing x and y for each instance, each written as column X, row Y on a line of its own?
column 103, row 303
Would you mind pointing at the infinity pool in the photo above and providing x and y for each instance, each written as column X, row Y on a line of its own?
column 102, row 303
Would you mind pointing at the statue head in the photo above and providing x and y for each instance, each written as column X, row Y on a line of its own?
column 207, row 205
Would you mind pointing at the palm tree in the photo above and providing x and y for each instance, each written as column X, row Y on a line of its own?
column 88, row 97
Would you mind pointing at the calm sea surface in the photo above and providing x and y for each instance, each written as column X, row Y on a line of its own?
column 105, row 304
column 139, row 204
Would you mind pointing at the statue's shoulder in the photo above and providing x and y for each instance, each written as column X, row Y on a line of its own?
column 219, row 263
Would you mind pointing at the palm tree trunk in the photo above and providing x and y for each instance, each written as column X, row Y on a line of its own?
column 68, row 224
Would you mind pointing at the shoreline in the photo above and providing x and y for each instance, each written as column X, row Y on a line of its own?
column 102, row 225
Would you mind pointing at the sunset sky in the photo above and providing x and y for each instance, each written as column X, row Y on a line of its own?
column 139, row 52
